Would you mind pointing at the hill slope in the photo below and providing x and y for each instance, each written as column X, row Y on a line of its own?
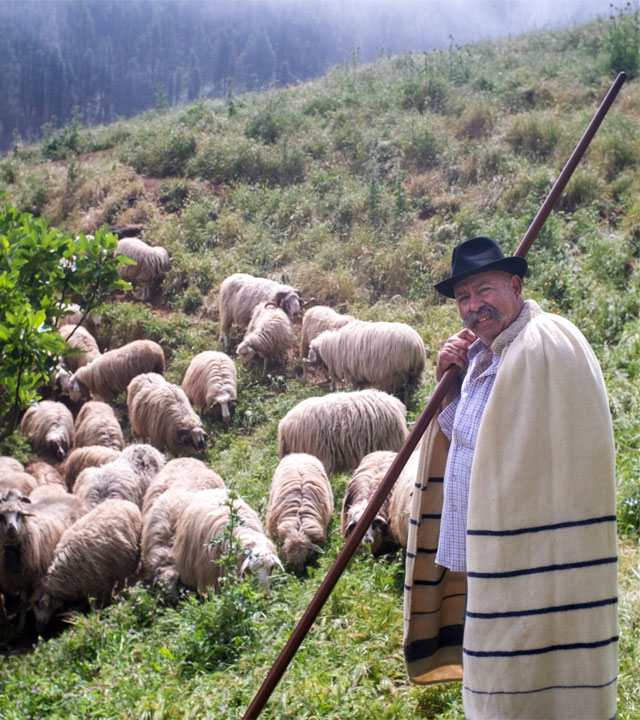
column 354, row 188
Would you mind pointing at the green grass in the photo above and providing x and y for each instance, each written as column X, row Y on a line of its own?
column 354, row 188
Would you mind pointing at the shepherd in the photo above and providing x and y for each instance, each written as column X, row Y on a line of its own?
column 512, row 560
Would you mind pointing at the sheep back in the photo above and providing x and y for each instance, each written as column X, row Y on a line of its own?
column 341, row 428
column 83, row 457
column 318, row 319
column 269, row 335
column 49, row 426
column 78, row 338
column 211, row 383
column 152, row 264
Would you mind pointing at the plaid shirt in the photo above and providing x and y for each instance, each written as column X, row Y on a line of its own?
column 460, row 422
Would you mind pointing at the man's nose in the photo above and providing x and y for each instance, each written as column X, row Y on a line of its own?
column 475, row 302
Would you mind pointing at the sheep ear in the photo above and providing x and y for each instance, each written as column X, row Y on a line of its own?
column 245, row 564
column 317, row 549
column 278, row 563
column 349, row 528
column 279, row 296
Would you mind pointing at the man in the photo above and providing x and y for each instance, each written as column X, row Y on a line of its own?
column 511, row 563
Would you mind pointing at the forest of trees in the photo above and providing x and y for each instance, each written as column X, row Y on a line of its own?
column 110, row 58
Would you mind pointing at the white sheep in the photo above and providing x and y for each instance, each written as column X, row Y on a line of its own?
column 211, row 383
column 80, row 339
column 97, row 424
column 9, row 463
column 49, row 426
column 29, row 533
column 300, row 508
column 83, row 457
column 362, row 486
column 318, row 319
column 161, row 411
column 381, row 535
column 125, row 478
column 341, row 428
column 204, row 520
column 152, row 264
column 44, row 472
column 386, row 355
column 75, row 316
column 110, row 374
column 98, row 553
column 269, row 335
column 187, row 473
column 19, row 480
column 240, row 293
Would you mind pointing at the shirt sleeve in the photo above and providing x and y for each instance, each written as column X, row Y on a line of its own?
column 446, row 417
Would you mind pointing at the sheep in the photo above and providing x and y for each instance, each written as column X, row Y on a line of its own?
column 161, row 411
column 318, row 319
column 82, row 340
column 48, row 491
column 269, row 335
column 98, row 553
column 90, row 321
column 125, row 478
column 29, row 533
column 9, row 463
column 362, row 485
column 151, row 265
column 186, row 473
column 96, row 424
column 341, row 428
column 18, row 480
column 300, row 508
column 240, row 293
column 204, row 519
column 89, row 456
column 49, row 426
column 44, row 473
column 384, row 355
column 211, row 383
column 110, row 374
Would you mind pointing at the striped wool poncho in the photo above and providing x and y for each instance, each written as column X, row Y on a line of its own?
column 539, row 636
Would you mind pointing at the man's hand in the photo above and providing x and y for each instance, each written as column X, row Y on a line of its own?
column 454, row 352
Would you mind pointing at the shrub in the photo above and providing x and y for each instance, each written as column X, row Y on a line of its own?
column 533, row 136
column 422, row 150
column 622, row 42
column 160, row 151
column 173, row 195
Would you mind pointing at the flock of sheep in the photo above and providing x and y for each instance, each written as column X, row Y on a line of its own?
column 91, row 514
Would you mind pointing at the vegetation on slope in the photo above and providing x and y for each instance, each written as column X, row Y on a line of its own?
column 354, row 188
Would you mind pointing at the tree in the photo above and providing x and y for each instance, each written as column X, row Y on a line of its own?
column 41, row 271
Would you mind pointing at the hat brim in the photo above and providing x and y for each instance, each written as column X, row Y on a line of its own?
column 513, row 265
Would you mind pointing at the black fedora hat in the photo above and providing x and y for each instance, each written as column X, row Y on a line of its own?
column 479, row 254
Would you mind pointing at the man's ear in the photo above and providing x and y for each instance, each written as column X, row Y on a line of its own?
column 516, row 284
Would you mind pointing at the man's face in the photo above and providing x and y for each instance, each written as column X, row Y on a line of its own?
column 489, row 302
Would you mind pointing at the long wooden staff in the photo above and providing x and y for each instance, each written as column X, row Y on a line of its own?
column 442, row 388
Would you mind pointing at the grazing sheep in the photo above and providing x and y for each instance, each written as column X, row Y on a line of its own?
column 211, row 383
column 110, row 374
column 204, row 519
column 125, row 478
column 96, row 424
column 400, row 504
column 152, row 265
column 186, row 473
column 9, row 463
column 318, row 319
column 341, row 428
column 29, row 533
column 362, row 486
column 300, row 508
column 269, row 335
column 82, row 340
column 161, row 411
column 98, row 553
column 384, row 355
column 364, row 482
column 90, row 321
column 49, row 426
column 89, row 456
column 240, row 293
column 44, row 472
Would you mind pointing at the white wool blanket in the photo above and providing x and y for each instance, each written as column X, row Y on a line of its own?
column 540, row 632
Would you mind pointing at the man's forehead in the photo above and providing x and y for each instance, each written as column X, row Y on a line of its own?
column 473, row 281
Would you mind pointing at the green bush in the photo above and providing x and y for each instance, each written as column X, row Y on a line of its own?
column 622, row 42
column 173, row 195
column 533, row 135
column 160, row 151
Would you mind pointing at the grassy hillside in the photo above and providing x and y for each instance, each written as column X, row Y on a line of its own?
column 354, row 188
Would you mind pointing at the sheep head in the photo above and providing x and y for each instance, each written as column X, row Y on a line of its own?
column 223, row 404
column 290, row 301
column 192, row 438
column 373, row 537
column 12, row 521
column 44, row 607
column 299, row 550
column 246, row 352
column 57, row 444
column 261, row 566
column 76, row 390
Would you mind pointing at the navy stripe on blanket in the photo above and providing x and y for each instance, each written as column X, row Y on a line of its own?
column 544, row 528
column 543, row 611
column 543, row 689
column 430, row 582
column 423, row 551
column 448, row 636
column 544, row 568
column 542, row 650
column 430, row 516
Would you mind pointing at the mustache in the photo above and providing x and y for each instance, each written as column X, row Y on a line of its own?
column 472, row 317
